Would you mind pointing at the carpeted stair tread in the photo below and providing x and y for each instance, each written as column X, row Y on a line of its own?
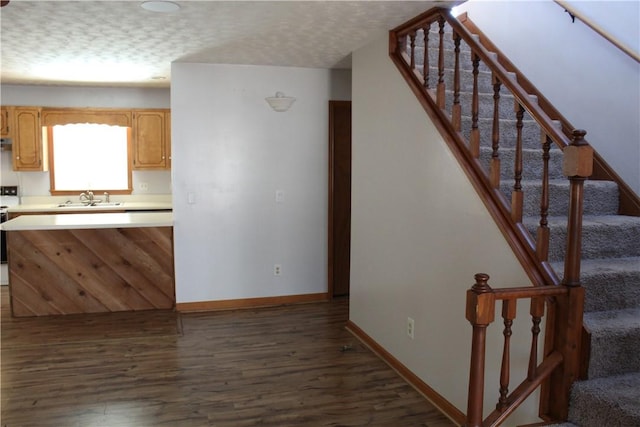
column 610, row 283
column 567, row 424
column 606, row 402
column 615, row 341
column 602, row 322
column 603, row 236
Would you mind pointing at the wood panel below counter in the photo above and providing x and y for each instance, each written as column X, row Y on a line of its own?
column 90, row 270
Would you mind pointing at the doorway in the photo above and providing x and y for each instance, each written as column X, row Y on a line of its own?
column 339, row 257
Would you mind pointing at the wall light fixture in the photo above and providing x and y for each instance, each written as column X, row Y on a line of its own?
column 280, row 102
column 160, row 6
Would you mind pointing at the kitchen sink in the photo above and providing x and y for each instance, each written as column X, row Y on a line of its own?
column 91, row 205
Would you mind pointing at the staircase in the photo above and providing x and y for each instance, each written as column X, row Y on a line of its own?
column 609, row 395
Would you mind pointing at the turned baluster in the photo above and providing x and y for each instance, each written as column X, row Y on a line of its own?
column 440, row 94
column 425, row 69
column 456, row 112
column 474, row 138
column 517, row 199
column 494, row 167
column 508, row 314
column 537, row 311
column 480, row 312
column 542, row 240
column 412, row 45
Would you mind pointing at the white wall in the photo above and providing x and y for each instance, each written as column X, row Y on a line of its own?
column 37, row 183
column 419, row 234
column 235, row 152
column 593, row 84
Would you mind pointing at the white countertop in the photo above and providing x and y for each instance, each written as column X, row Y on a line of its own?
column 127, row 206
column 89, row 221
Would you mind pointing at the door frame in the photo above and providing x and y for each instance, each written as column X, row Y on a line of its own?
column 331, row 190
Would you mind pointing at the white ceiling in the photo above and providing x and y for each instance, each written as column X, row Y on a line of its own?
column 93, row 42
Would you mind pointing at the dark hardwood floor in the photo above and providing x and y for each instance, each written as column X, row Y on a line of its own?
column 285, row 366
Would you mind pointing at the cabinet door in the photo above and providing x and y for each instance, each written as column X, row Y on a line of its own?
column 167, row 127
column 27, row 140
column 5, row 122
column 149, row 141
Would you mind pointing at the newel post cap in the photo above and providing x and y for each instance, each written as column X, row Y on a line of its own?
column 578, row 157
column 481, row 302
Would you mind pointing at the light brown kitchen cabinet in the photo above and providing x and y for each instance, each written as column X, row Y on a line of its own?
column 5, row 122
column 167, row 129
column 28, row 154
column 151, row 139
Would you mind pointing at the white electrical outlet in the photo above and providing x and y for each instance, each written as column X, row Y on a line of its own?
column 410, row 327
column 277, row 269
column 279, row 196
column 144, row 186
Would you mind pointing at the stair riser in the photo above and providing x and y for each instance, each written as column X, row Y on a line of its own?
column 598, row 200
column 465, row 59
column 507, row 133
column 611, row 291
column 614, row 353
column 434, row 37
column 531, row 163
column 485, row 85
column 506, row 105
column 604, row 403
column 448, row 42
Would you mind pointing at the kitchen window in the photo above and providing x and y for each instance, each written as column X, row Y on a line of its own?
column 89, row 156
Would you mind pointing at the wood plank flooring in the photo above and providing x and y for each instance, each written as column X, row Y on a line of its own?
column 285, row 366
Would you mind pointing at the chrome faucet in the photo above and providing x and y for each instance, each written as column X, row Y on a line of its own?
column 87, row 197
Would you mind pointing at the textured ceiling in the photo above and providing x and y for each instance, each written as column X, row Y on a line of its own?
column 94, row 42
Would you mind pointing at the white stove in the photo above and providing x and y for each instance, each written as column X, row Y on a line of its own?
column 8, row 197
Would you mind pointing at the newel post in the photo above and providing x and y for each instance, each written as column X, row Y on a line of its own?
column 577, row 166
column 481, row 303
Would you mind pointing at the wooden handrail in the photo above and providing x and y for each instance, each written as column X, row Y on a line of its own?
column 598, row 29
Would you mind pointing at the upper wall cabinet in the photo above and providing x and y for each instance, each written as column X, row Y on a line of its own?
column 5, row 122
column 28, row 154
column 151, row 139
column 167, row 129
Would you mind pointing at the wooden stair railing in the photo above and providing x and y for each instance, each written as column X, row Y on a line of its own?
column 561, row 364
column 480, row 312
